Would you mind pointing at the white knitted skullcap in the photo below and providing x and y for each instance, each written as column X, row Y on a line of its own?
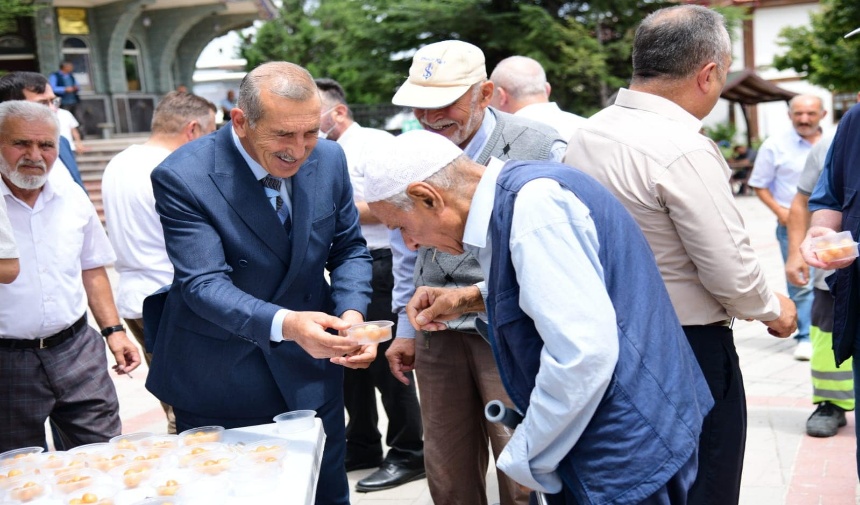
column 409, row 157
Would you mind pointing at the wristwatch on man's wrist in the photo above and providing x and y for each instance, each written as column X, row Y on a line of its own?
column 112, row 329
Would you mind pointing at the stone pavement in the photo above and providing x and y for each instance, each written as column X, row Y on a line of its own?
column 782, row 467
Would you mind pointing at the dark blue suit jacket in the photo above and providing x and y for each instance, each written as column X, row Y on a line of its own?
column 212, row 355
column 67, row 156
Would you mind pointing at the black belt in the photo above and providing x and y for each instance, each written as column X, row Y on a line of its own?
column 378, row 254
column 47, row 342
column 724, row 322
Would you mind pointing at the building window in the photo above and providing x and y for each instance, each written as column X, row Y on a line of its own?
column 76, row 50
column 842, row 102
column 131, row 61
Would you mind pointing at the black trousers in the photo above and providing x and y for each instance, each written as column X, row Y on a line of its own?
column 405, row 432
column 724, row 431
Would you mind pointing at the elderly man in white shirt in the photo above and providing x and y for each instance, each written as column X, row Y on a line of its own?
column 49, row 355
column 133, row 224
column 521, row 89
column 774, row 177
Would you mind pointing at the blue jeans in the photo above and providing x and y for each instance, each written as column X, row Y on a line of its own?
column 802, row 297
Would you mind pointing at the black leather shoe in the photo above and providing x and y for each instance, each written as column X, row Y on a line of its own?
column 388, row 476
column 352, row 464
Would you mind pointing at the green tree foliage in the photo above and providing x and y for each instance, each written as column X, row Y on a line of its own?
column 820, row 50
column 11, row 10
column 367, row 45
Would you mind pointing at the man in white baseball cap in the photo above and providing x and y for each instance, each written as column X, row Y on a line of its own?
column 450, row 96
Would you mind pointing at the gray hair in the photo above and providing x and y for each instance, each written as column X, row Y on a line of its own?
column 281, row 78
column 797, row 98
column 448, row 178
column 30, row 112
column 520, row 76
column 676, row 42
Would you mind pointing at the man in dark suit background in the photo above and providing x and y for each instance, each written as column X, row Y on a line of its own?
column 254, row 215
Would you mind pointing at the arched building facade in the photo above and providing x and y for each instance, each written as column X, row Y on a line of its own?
column 126, row 53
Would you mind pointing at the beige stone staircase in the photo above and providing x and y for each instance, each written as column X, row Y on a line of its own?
column 93, row 162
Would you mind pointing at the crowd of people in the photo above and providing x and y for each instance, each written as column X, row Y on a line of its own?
column 526, row 255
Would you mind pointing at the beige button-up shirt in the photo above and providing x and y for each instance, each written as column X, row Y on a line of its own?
column 674, row 181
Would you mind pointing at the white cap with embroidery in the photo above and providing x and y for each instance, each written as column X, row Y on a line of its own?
column 440, row 74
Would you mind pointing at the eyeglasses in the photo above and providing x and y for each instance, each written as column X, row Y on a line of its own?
column 51, row 101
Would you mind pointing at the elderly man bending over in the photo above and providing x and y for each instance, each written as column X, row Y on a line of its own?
column 583, row 331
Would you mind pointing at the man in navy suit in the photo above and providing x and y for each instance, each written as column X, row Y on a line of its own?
column 246, row 328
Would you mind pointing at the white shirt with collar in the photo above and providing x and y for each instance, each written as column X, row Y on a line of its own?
column 58, row 237
column 357, row 143
column 554, row 250
column 134, row 227
column 550, row 114
column 778, row 165
column 8, row 248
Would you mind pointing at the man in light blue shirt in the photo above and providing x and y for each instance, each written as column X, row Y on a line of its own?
column 585, row 337
column 775, row 175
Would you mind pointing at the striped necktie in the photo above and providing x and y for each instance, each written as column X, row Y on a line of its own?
column 273, row 187
column 273, row 191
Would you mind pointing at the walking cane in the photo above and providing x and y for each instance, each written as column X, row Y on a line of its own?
column 496, row 412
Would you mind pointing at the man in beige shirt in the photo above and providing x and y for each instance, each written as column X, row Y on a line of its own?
column 647, row 150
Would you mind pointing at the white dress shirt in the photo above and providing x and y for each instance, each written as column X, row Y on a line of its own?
column 58, row 238
column 67, row 122
column 8, row 247
column 134, row 227
column 554, row 250
column 357, row 143
column 550, row 114
column 778, row 166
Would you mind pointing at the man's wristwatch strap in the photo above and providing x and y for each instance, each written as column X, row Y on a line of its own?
column 112, row 329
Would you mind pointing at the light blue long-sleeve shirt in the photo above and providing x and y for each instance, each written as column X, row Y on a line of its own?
column 554, row 248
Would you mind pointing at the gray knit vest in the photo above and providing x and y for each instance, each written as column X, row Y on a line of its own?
column 513, row 138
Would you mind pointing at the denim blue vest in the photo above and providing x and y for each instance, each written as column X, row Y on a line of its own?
column 648, row 423
column 844, row 158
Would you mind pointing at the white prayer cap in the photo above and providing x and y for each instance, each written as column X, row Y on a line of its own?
column 409, row 157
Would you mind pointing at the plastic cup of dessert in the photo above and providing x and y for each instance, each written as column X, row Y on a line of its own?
column 109, row 457
column 295, row 421
column 185, row 454
column 69, row 482
column 201, row 435
column 95, row 494
column 835, row 247
column 22, row 468
column 26, row 488
column 134, row 474
column 161, row 442
column 131, row 441
column 212, row 463
column 16, row 456
column 265, row 449
column 253, row 475
column 370, row 332
column 168, row 481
